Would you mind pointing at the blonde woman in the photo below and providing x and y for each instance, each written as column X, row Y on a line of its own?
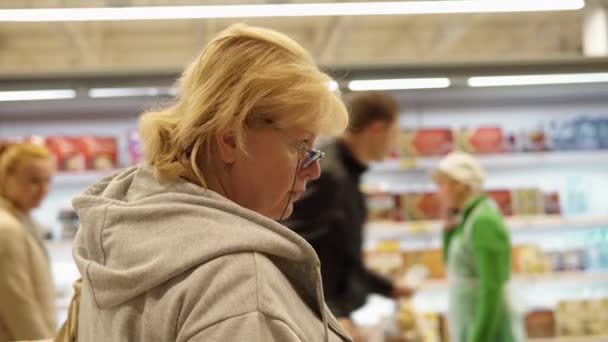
column 186, row 247
column 26, row 288
column 477, row 251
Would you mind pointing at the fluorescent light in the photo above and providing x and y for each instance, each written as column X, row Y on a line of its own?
column 128, row 92
column 399, row 84
column 287, row 10
column 518, row 80
column 34, row 95
column 333, row 85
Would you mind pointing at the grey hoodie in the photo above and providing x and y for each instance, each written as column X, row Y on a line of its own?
column 175, row 262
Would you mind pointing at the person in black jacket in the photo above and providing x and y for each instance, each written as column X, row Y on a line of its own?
column 331, row 214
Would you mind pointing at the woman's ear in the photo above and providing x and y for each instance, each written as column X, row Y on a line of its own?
column 227, row 146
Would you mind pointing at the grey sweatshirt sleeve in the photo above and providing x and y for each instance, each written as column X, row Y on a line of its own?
column 250, row 327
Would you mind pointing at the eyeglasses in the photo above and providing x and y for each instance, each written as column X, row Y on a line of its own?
column 310, row 154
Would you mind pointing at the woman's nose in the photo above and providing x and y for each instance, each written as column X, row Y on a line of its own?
column 312, row 171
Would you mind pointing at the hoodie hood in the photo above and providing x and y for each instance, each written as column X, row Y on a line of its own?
column 136, row 233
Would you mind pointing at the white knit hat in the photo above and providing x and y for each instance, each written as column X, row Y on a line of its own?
column 461, row 167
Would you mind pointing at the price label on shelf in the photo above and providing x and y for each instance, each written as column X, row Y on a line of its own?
column 408, row 163
column 388, row 246
column 418, row 227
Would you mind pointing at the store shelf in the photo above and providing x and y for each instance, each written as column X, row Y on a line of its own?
column 498, row 161
column 80, row 179
column 599, row 338
column 579, row 277
column 430, row 229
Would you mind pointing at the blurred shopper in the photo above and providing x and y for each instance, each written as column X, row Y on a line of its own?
column 26, row 287
column 186, row 247
column 477, row 252
column 332, row 212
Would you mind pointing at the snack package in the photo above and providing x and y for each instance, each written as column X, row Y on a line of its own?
column 540, row 324
column 528, row 201
column 380, row 206
column 100, row 153
column 420, row 206
column 416, row 326
column 481, row 140
column 426, row 142
column 552, row 203
column 68, row 155
column 385, row 259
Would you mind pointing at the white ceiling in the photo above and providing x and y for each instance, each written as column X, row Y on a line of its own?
column 161, row 46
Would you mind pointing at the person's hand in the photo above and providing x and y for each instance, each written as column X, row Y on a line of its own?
column 401, row 291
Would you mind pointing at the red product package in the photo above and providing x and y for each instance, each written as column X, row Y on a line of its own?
column 100, row 153
column 421, row 206
column 503, row 200
column 482, row 140
column 426, row 142
column 552, row 203
column 68, row 157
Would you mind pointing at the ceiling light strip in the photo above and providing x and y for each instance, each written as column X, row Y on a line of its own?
column 399, row 84
column 522, row 80
column 286, row 10
column 36, row 95
column 129, row 92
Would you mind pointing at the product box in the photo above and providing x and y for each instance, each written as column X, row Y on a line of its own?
column 540, row 324
column 100, row 153
column 557, row 261
column 552, row 203
column 431, row 259
column 385, row 259
column 481, row 140
column 579, row 317
column 380, row 206
column 537, row 140
column 529, row 259
column 426, row 142
column 68, row 155
column 502, row 197
column 420, row 206
column 575, row 260
column 135, row 148
column 528, row 201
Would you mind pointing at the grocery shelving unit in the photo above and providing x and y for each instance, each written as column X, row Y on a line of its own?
column 499, row 161
column 600, row 338
column 579, row 277
column 428, row 229
column 560, row 171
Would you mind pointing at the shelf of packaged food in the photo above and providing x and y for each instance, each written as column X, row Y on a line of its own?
column 386, row 230
column 598, row 338
column 80, row 178
column 498, row 161
column 579, row 277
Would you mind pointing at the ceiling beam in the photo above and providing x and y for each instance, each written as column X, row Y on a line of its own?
column 335, row 35
column 450, row 32
column 86, row 53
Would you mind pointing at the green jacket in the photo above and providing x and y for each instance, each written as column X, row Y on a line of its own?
column 491, row 247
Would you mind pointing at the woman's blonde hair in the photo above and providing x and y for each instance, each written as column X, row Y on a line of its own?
column 245, row 76
column 15, row 156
